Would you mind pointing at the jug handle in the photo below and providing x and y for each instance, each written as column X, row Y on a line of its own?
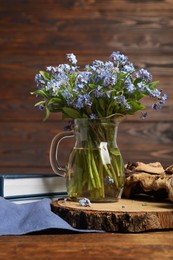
column 53, row 153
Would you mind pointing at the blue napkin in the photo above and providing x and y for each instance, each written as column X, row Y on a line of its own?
column 19, row 219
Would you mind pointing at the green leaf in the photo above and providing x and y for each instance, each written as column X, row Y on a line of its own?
column 71, row 112
column 92, row 86
column 100, row 107
column 152, row 85
column 40, row 103
column 136, row 106
column 115, row 152
column 102, row 104
column 112, row 108
column 138, row 95
column 72, row 79
column 41, row 93
column 84, row 115
column 46, row 75
column 55, row 100
column 138, row 80
column 47, row 114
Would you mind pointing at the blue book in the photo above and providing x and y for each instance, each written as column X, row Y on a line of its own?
column 14, row 186
column 29, row 199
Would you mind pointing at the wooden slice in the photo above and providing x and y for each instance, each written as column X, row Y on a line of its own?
column 122, row 216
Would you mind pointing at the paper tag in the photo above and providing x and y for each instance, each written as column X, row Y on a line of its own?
column 104, row 153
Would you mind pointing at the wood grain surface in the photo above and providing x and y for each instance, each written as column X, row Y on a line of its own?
column 123, row 216
column 146, row 246
column 36, row 34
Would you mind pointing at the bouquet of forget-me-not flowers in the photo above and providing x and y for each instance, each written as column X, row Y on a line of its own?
column 100, row 90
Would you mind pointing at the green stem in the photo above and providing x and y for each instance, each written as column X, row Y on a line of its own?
column 96, row 174
column 90, row 169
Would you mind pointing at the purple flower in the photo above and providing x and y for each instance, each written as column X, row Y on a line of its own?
column 109, row 65
column 143, row 115
column 83, row 77
column 51, row 69
column 41, row 107
column 67, row 95
column 141, row 86
column 118, row 59
column 129, row 68
column 63, row 68
column 121, row 99
column 109, row 80
column 39, row 80
column 87, row 99
column 79, row 86
column 108, row 180
column 53, row 85
column 98, row 92
column 130, row 87
column 145, row 75
column 72, row 58
column 85, row 202
column 79, row 103
column 164, row 97
column 93, row 116
column 127, row 106
column 97, row 64
column 157, row 106
column 156, row 93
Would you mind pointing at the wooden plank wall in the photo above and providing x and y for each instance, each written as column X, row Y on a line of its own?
column 36, row 34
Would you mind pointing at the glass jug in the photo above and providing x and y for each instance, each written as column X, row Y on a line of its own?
column 95, row 168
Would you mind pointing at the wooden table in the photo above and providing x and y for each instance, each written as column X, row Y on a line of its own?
column 149, row 245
